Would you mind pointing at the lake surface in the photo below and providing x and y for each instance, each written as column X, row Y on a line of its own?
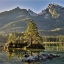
column 15, row 56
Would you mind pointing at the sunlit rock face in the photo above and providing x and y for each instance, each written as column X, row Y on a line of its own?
column 48, row 19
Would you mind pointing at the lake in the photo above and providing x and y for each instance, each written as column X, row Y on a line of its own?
column 15, row 56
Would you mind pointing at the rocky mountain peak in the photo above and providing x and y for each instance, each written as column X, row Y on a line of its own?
column 32, row 13
column 55, row 10
column 17, row 8
column 42, row 12
column 54, row 6
column 51, row 7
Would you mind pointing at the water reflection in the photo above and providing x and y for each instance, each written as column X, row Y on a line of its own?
column 32, row 63
column 54, row 48
column 20, row 53
column 12, row 52
column 17, row 54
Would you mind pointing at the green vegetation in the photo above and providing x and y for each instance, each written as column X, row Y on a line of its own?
column 53, row 38
column 57, row 41
column 31, row 35
column 30, row 38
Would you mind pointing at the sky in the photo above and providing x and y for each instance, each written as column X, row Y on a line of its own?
column 35, row 5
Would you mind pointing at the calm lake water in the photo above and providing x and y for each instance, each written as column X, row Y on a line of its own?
column 15, row 56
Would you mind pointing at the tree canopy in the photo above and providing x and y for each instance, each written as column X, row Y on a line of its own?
column 31, row 34
column 29, row 38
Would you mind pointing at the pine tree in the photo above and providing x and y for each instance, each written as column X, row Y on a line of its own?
column 31, row 34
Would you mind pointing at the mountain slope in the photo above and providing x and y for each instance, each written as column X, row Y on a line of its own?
column 49, row 19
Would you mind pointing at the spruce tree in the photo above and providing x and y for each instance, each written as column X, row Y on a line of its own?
column 31, row 34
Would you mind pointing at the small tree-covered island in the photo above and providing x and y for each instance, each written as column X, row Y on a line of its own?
column 28, row 39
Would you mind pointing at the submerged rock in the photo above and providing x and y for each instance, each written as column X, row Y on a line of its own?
column 39, row 57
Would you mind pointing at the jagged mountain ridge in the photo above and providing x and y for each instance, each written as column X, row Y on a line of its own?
column 16, row 19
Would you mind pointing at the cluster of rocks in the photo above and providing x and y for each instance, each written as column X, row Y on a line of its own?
column 38, row 57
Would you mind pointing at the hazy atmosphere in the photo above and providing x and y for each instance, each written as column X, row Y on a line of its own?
column 35, row 5
column 31, row 32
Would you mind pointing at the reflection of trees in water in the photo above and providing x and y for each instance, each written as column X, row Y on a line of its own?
column 19, row 53
column 55, row 48
column 1, row 49
column 10, row 55
column 32, row 63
